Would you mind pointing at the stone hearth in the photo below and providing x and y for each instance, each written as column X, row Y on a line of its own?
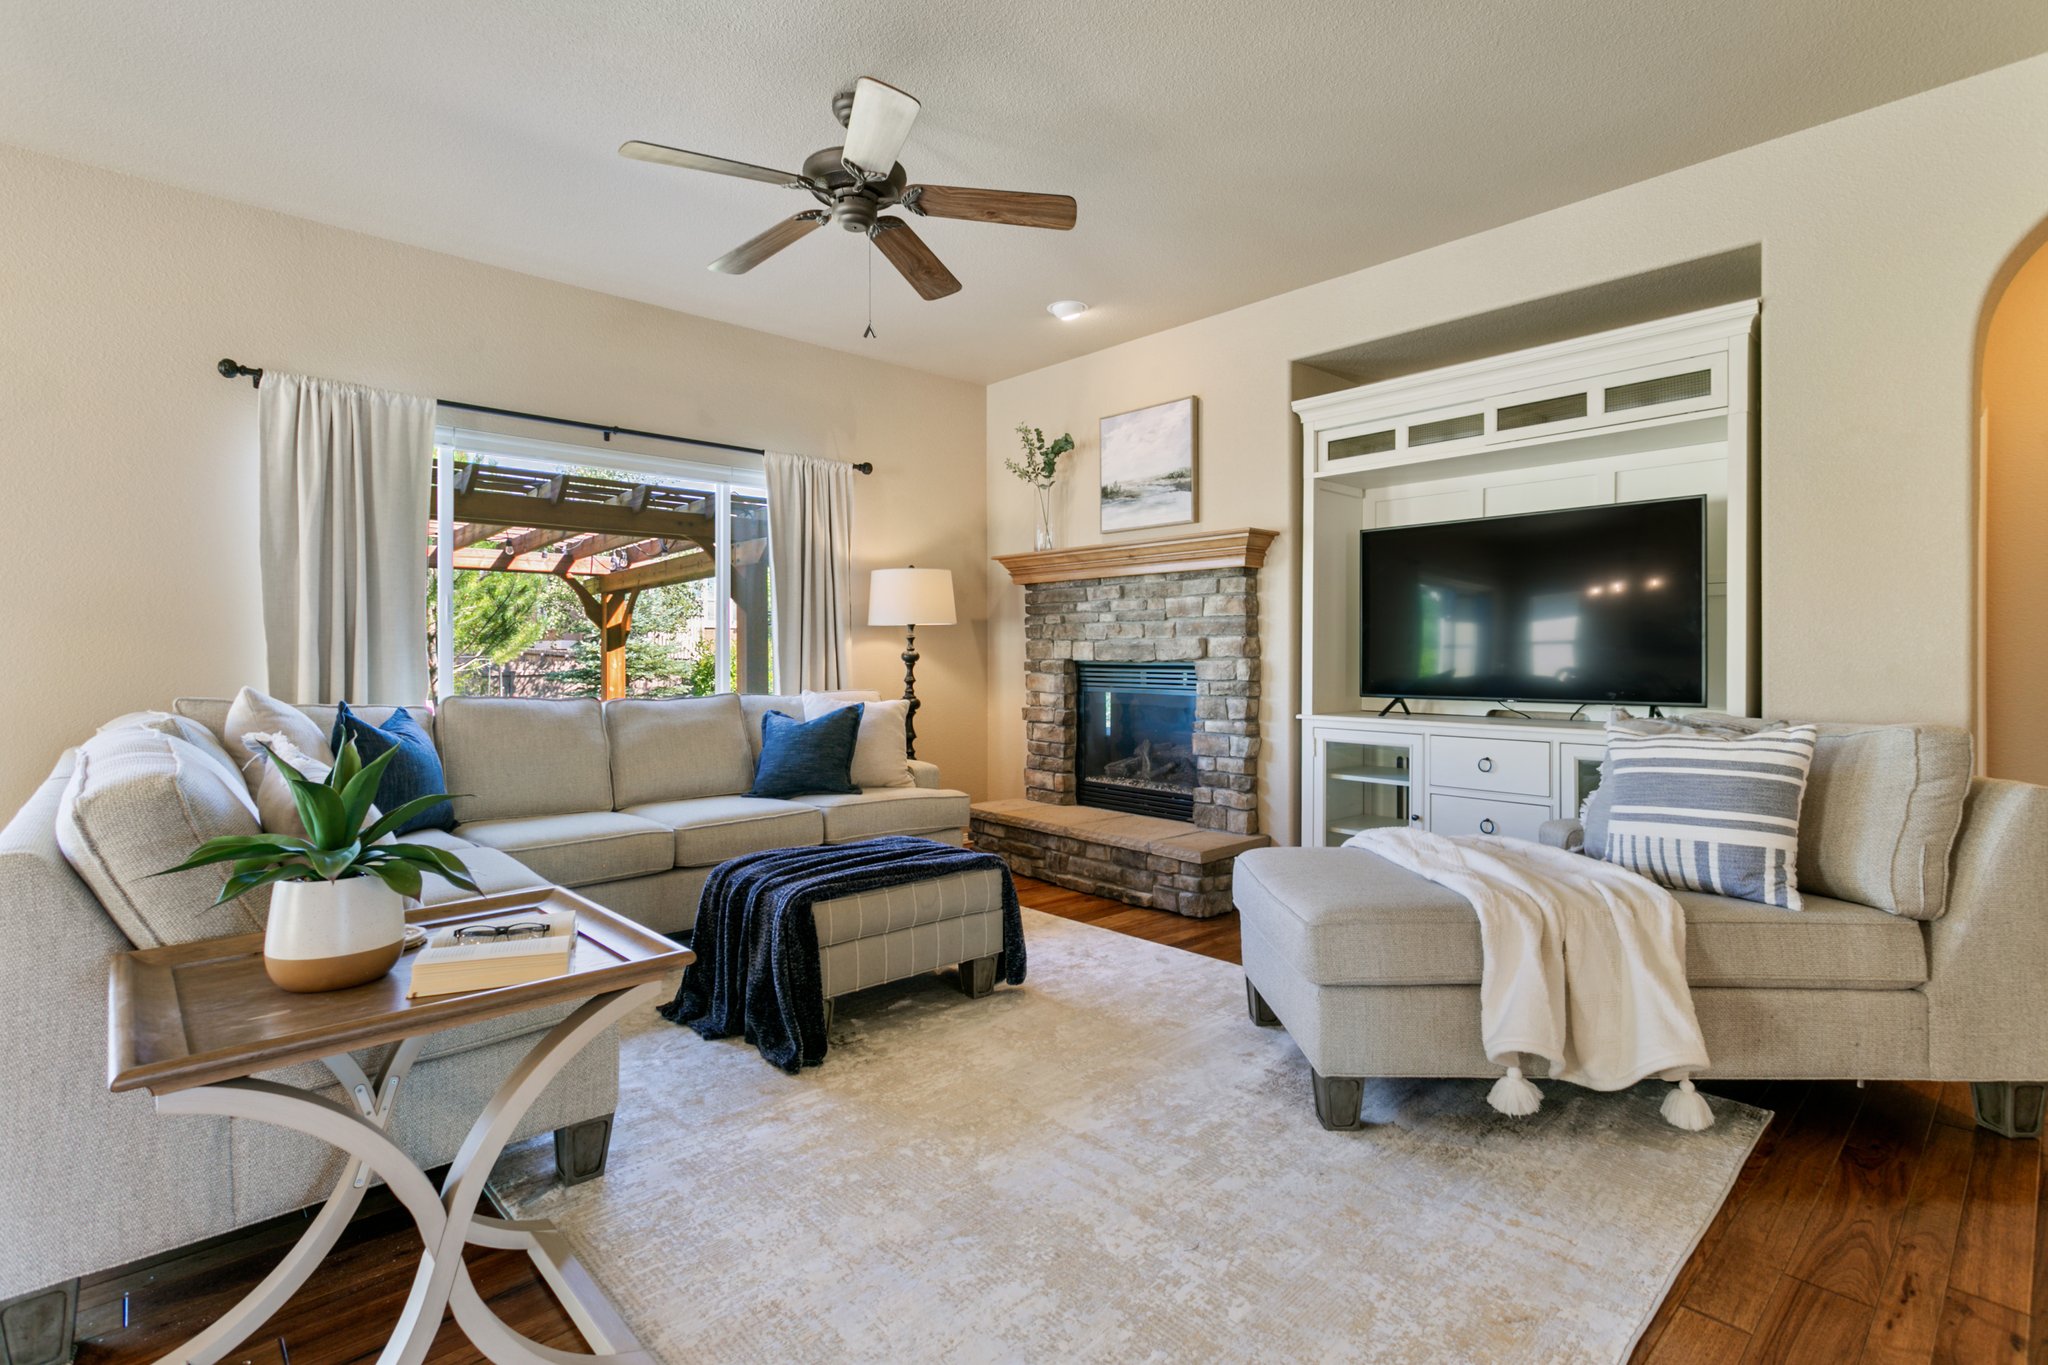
column 1190, row 599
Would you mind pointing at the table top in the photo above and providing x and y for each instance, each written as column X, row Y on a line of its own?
column 199, row 1013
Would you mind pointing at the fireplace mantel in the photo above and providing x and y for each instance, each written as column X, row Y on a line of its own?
column 1244, row 548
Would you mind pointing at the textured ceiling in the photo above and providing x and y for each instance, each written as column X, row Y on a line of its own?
column 1221, row 151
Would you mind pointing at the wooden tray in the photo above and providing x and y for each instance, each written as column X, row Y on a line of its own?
column 203, row 1012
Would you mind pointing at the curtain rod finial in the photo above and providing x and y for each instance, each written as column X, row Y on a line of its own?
column 234, row 369
column 864, row 467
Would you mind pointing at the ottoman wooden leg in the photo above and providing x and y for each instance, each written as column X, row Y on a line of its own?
column 1338, row 1100
column 978, row 978
column 2008, row 1108
column 1262, row 1013
column 582, row 1149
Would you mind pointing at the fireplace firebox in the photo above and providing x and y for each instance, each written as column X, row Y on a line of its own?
column 1135, row 725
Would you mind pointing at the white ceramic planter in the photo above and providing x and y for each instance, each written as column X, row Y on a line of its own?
column 327, row 936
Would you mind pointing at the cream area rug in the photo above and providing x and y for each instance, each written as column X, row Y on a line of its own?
column 1111, row 1162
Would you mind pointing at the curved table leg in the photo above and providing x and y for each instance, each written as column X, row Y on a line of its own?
column 446, row 1220
column 441, row 1269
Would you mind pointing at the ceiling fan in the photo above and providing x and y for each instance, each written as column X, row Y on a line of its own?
column 856, row 182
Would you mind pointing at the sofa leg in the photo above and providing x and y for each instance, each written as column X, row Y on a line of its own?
column 978, row 978
column 1338, row 1100
column 38, row 1328
column 2009, row 1108
column 582, row 1149
column 1262, row 1013
column 830, row 1011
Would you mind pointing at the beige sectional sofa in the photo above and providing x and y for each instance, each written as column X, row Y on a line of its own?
column 1919, row 956
column 630, row 802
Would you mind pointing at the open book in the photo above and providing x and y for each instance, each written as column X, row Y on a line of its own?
column 450, row 964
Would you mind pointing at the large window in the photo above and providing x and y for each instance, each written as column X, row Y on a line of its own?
column 581, row 573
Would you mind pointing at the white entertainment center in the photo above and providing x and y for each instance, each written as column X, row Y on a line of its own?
column 1659, row 410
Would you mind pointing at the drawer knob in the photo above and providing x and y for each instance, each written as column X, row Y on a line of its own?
column 1486, row 765
column 1486, row 826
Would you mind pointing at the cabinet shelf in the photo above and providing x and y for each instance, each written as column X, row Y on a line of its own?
column 1379, row 776
column 1347, row 830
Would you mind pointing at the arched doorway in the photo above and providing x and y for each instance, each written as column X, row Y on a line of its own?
column 2013, row 493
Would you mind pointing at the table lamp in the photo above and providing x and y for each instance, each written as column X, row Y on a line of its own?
column 910, row 597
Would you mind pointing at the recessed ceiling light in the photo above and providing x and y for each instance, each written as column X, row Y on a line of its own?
column 1066, row 310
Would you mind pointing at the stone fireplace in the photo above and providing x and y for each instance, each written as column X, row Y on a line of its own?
column 1140, row 720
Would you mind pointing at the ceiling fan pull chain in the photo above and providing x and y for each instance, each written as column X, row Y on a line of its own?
column 869, row 334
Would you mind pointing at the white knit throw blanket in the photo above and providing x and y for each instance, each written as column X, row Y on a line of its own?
column 1583, row 965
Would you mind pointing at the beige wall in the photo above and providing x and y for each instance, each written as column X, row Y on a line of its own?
column 1880, row 234
column 2015, row 494
column 126, row 464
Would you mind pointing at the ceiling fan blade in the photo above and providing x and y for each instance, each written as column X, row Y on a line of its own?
column 749, row 254
column 908, row 253
column 878, row 127
column 1055, row 211
column 698, row 161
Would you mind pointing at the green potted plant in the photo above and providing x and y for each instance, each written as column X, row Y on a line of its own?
column 337, row 913
column 1039, row 467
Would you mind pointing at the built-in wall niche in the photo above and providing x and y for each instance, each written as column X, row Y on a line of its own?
column 1657, row 410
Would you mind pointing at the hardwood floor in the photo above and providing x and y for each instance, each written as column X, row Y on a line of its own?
column 1873, row 1225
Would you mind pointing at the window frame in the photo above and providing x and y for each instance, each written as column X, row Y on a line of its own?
column 721, row 479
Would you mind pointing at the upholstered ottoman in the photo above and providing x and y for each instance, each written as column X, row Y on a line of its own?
column 899, row 931
column 1373, row 970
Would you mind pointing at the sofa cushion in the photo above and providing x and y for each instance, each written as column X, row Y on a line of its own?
column 509, row 757
column 677, row 748
column 713, row 828
column 258, row 713
column 1710, row 812
column 881, row 751
column 1884, row 804
column 889, row 810
column 1344, row 917
column 493, row 870
column 807, row 757
column 580, row 848
column 415, row 767
column 139, row 801
column 758, row 704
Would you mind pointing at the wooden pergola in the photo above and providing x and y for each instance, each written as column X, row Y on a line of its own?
column 609, row 541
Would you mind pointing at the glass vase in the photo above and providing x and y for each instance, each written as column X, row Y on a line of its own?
column 1044, row 540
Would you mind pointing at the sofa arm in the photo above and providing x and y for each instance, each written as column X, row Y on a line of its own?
column 88, row 1179
column 923, row 773
column 1568, row 835
column 1987, row 956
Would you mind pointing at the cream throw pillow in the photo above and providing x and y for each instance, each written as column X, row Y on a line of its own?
column 880, row 750
column 253, row 713
column 274, row 804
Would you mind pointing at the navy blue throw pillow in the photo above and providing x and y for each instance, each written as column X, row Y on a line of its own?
column 415, row 772
column 807, row 757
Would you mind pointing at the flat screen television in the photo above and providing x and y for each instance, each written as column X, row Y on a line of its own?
column 1592, row 604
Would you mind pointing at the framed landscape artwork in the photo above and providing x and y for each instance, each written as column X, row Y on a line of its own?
column 1148, row 467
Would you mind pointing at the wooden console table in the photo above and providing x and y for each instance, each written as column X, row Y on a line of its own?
column 193, row 1024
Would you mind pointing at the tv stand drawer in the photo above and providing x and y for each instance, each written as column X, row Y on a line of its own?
column 1518, row 767
column 1454, row 815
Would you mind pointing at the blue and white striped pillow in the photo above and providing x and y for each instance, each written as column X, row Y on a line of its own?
column 1711, row 813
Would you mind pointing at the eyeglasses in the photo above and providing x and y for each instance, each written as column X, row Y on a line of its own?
column 493, row 933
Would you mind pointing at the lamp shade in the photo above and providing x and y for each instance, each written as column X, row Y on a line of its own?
column 910, row 597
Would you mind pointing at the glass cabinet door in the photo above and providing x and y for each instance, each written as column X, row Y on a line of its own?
column 1581, row 773
column 1367, row 782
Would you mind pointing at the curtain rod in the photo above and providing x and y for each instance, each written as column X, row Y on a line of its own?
column 233, row 369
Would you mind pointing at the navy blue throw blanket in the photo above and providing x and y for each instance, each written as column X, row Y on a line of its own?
column 756, row 941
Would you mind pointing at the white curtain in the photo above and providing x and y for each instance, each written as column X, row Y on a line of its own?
column 810, row 544
column 344, row 488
